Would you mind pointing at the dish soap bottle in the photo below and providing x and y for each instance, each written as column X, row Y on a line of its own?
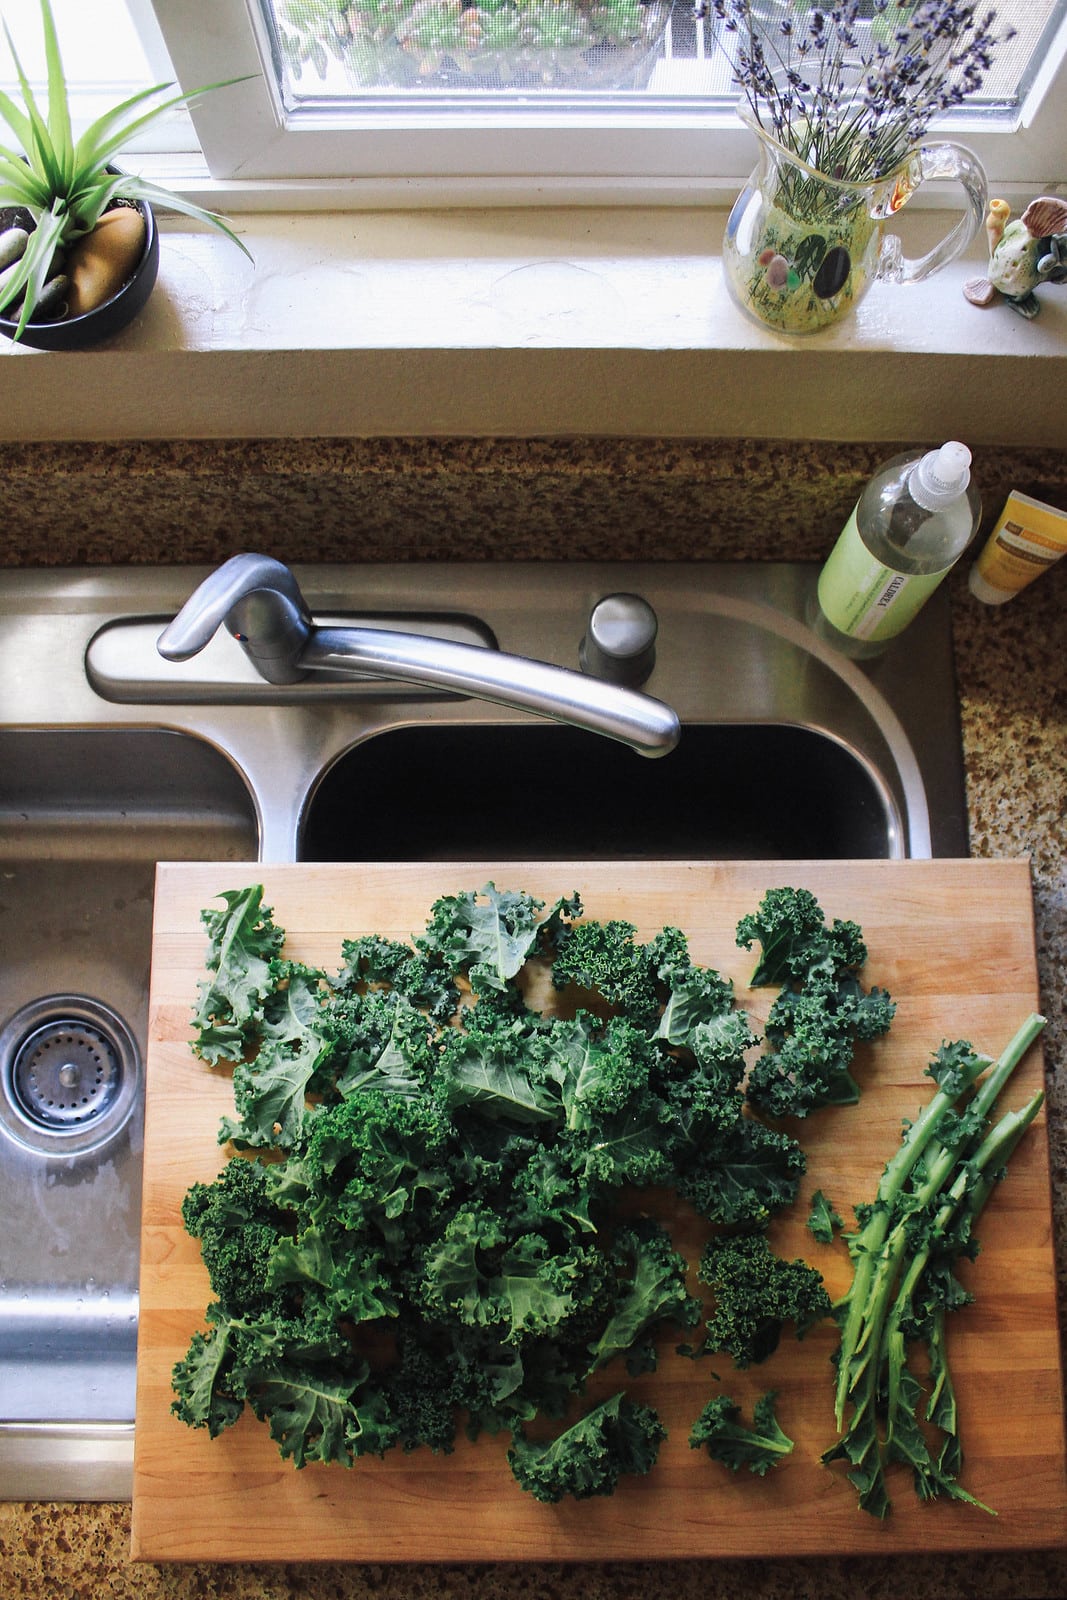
column 910, row 525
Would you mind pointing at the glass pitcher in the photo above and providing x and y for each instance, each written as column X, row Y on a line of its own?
column 802, row 248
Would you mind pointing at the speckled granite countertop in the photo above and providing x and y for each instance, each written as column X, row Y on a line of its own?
column 1012, row 675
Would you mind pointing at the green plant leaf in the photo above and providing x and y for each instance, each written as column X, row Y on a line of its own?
column 89, row 200
column 67, row 181
column 20, row 185
column 59, row 128
column 32, row 272
column 33, row 132
column 16, row 120
column 116, row 127
column 133, row 188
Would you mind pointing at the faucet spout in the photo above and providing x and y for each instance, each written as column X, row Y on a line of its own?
column 259, row 601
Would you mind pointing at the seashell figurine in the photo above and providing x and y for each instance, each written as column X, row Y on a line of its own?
column 1022, row 254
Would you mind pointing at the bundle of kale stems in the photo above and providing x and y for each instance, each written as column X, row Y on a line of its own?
column 425, row 1221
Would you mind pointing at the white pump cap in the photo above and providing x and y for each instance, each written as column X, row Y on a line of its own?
column 941, row 476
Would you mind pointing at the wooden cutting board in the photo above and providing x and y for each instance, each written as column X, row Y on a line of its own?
column 953, row 941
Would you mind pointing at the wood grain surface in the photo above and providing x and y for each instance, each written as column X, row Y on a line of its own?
column 953, row 941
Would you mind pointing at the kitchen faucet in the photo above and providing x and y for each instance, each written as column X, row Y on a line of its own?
column 259, row 601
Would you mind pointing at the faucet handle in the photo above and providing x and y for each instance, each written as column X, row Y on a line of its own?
column 620, row 640
column 260, row 603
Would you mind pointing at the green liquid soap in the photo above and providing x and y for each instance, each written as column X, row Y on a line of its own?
column 909, row 527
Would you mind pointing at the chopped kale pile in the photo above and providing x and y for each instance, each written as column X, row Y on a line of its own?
column 422, row 1230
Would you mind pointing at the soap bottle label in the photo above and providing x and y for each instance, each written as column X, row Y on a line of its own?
column 865, row 599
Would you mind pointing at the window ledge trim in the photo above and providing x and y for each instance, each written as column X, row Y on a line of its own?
column 532, row 322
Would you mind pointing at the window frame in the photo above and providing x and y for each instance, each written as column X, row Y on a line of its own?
column 604, row 155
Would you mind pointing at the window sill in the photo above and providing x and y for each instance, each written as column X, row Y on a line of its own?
column 532, row 323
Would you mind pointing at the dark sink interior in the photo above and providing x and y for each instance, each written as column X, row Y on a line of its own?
column 84, row 817
column 728, row 792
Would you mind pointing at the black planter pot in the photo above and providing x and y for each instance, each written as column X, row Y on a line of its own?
column 78, row 333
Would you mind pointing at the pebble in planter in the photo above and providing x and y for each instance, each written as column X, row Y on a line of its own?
column 92, row 273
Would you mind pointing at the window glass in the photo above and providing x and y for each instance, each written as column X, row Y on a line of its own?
column 619, row 99
column 330, row 55
column 99, row 43
column 110, row 50
column 526, row 50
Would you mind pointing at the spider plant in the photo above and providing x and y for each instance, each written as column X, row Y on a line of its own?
column 65, row 183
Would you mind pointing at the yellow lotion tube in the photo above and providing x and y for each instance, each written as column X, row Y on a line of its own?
column 1029, row 537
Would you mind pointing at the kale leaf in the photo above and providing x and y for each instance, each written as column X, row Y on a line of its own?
column 822, row 1218
column 757, row 1293
column 589, row 1457
column 759, row 1446
column 242, row 945
column 821, row 1010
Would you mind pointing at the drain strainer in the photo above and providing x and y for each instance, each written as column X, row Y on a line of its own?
column 69, row 1074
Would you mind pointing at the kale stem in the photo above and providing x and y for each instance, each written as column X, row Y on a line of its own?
column 965, row 1199
column 872, row 1352
column 1007, row 1061
column 868, row 1246
column 876, row 1250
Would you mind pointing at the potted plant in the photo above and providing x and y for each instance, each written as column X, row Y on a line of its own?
column 839, row 100
column 476, row 44
column 79, row 249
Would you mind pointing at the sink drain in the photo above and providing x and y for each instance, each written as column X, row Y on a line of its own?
column 69, row 1073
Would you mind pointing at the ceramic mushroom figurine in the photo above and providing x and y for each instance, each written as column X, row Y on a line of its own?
column 1022, row 254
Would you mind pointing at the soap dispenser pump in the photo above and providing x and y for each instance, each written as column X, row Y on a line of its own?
column 910, row 525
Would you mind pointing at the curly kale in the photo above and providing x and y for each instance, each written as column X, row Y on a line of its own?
column 243, row 942
column 652, row 1290
column 239, row 1228
column 756, row 1294
column 299, row 1374
column 822, row 1218
column 796, row 943
column 821, row 1010
column 377, row 1165
column 380, row 1041
column 759, row 1446
column 422, row 979
column 589, row 1457
column 489, row 935
column 615, row 1125
column 605, row 957
column 271, row 1093
column 202, row 1380
column 427, row 1225
column 737, row 1171
column 420, row 1393
column 494, row 1074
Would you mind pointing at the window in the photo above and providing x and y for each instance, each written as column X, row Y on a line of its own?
column 110, row 50
column 595, row 100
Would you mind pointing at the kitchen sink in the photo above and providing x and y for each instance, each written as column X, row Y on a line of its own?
column 84, row 816
column 112, row 758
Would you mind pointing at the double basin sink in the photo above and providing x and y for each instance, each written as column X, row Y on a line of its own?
column 112, row 759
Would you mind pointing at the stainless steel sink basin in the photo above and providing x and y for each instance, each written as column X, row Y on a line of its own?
column 111, row 759
column 84, row 816
column 746, row 792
